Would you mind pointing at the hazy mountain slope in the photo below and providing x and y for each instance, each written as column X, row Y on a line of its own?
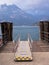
column 15, row 14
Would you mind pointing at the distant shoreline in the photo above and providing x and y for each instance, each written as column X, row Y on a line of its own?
column 25, row 26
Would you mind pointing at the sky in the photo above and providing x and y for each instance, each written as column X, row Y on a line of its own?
column 34, row 7
column 26, row 4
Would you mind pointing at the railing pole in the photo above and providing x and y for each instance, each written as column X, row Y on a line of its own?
column 18, row 41
column 30, row 40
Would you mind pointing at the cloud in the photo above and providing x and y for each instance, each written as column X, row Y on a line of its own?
column 38, row 7
column 27, row 4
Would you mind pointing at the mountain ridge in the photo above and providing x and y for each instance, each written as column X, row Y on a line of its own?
column 17, row 16
column 14, row 14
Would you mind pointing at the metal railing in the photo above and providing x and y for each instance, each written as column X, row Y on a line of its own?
column 30, row 41
column 16, row 41
column 17, row 38
column 29, row 38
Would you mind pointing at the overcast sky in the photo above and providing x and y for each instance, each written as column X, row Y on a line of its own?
column 26, row 4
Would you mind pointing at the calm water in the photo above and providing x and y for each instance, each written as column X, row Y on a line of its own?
column 23, row 31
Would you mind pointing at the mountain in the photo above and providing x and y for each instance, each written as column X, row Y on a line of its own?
column 39, row 11
column 15, row 14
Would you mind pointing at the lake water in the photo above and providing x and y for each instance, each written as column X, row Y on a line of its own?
column 34, row 32
column 23, row 31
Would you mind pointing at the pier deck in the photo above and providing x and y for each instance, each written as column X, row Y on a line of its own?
column 39, row 58
column 40, row 52
column 23, row 52
column 37, row 46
